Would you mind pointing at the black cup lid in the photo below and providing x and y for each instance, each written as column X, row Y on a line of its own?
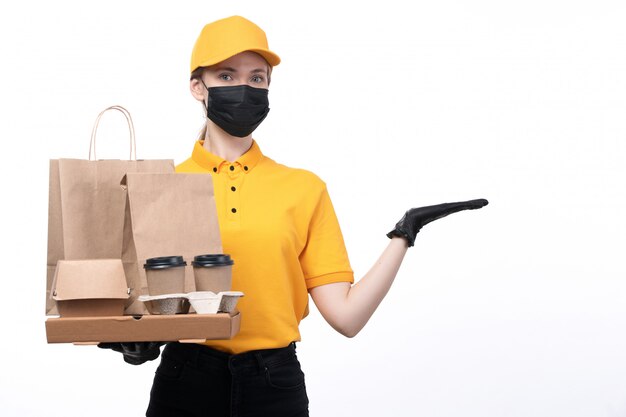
column 164, row 262
column 218, row 259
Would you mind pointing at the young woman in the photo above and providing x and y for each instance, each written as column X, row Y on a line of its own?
column 279, row 226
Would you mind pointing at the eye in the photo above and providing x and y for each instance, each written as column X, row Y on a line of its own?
column 257, row 79
column 225, row 77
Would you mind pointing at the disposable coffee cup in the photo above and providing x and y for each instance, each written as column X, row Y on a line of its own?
column 165, row 275
column 213, row 272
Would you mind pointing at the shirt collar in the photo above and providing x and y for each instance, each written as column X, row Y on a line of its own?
column 214, row 163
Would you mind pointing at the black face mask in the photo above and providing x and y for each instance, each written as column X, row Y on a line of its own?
column 237, row 109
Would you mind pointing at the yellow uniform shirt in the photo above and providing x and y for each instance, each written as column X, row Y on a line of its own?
column 279, row 226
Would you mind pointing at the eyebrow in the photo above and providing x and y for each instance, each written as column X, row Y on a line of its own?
column 231, row 69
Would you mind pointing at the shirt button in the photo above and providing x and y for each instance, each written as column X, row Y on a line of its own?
column 232, row 168
column 234, row 210
column 233, row 189
column 245, row 168
column 214, row 169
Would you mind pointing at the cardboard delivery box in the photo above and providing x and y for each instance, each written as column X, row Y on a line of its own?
column 90, row 287
column 147, row 328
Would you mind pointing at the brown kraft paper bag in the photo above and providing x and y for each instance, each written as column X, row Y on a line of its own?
column 86, row 205
column 166, row 215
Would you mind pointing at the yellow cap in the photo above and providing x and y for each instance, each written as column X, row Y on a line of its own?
column 227, row 37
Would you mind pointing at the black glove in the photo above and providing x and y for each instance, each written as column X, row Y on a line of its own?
column 416, row 218
column 135, row 353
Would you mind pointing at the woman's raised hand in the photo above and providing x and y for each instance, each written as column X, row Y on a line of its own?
column 415, row 218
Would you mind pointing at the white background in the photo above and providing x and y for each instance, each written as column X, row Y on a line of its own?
column 514, row 310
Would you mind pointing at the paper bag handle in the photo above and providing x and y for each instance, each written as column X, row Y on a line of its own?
column 131, row 128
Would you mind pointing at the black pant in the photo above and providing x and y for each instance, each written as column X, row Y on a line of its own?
column 194, row 380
